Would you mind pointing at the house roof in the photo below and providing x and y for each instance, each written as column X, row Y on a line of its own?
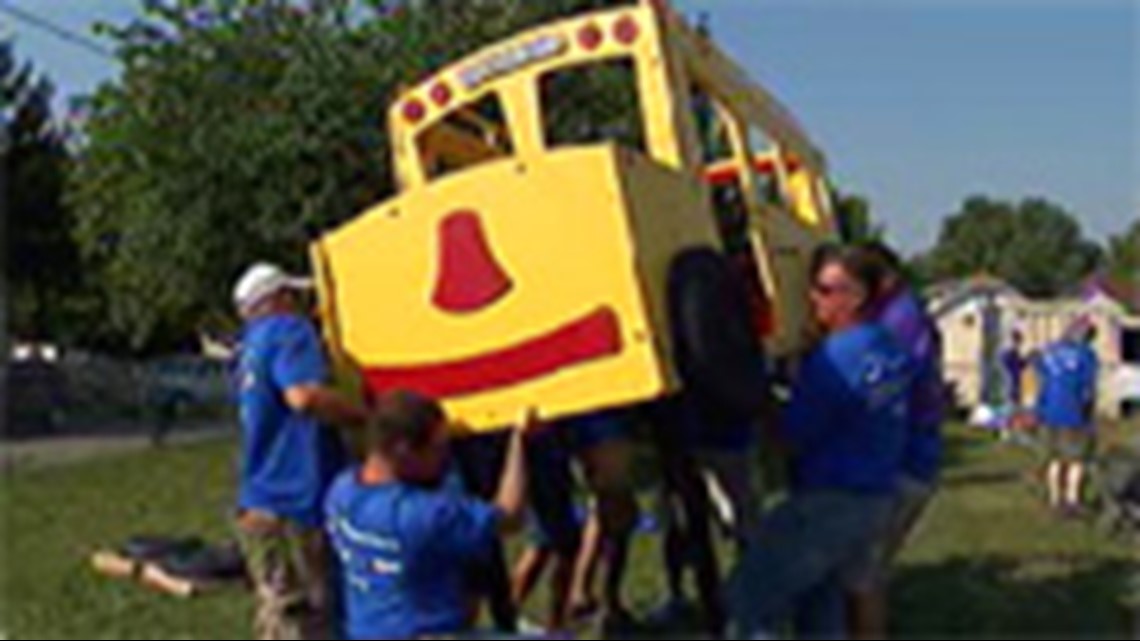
column 948, row 296
column 1126, row 294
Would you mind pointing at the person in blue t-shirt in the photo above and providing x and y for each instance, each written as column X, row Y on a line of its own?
column 1013, row 361
column 899, row 310
column 1067, row 373
column 846, row 429
column 287, row 457
column 404, row 540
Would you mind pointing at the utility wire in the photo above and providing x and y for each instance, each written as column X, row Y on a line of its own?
column 63, row 33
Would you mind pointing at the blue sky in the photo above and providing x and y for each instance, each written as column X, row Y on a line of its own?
column 917, row 103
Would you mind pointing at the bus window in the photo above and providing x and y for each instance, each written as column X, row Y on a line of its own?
column 470, row 135
column 767, row 168
column 721, row 172
column 712, row 130
column 592, row 103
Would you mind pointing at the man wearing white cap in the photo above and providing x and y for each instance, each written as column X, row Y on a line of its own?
column 288, row 459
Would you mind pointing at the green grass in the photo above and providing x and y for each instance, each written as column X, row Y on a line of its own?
column 54, row 518
column 987, row 561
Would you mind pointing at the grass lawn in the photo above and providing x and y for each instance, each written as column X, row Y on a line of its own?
column 986, row 562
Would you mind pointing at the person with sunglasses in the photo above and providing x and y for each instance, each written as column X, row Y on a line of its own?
column 845, row 430
column 902, row 313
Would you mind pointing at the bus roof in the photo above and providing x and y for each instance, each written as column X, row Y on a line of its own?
column 536, row 49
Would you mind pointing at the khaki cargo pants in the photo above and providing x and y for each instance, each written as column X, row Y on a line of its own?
column 288, row 567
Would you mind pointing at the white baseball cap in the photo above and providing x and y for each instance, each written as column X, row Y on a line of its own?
column 263, row 279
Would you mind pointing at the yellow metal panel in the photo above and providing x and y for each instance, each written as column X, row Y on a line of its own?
column 784, row 247
column 565, row 255
column 669, row 212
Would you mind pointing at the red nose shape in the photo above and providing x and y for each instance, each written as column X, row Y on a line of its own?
column 469, row 276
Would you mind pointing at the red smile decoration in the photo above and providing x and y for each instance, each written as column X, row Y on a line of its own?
column 591, row 337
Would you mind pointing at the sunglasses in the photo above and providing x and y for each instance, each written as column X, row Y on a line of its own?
column 830, row 289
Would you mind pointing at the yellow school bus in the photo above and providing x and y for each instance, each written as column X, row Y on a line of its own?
column 594, row 213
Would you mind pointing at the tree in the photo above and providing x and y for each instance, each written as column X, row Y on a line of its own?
column 241, row 127
column 1122, row 266
column 1035, row 245
column 853, row 214
column 42, row 264
column 1123, row 261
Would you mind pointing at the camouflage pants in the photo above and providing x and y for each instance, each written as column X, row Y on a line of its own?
column 288, row 568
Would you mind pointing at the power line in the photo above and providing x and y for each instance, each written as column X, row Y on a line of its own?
column 63, row 33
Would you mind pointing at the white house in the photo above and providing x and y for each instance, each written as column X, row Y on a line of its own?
column 977, row 315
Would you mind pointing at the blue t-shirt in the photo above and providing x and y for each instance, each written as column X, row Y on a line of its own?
column 287, row 458
column 848, row 417
column 915, row 332
column 402, row 553
column 1067, row 373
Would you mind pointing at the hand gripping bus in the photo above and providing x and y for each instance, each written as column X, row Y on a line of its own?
column 594, row 213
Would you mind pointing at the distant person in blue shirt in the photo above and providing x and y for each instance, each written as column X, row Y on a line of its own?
column 846, row 429
column 1013, row 361
column 902, row 313
column 405, row 541
column 1067, row 375
column 287, row 457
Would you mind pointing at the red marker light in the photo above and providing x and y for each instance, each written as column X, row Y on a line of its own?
column 627, row 30
column 441, row 94
column 414, row 111
column 590, row 37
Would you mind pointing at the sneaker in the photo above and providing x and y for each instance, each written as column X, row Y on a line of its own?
column 531, row 628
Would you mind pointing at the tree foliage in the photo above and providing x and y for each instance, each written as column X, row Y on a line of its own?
column 43, row 270
column 855, row 220
column 241, row 127
column 1123, row 261
column 1035, row 245
column 1122, row 266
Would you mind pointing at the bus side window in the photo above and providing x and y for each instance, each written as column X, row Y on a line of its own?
column 712, row 130
column 729, row 204
column 765, row 168
column 725, row 187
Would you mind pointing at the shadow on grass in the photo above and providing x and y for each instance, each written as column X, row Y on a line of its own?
column 987, row 477
column 962, row 445
column 1039, row 597
column 1042, row 597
